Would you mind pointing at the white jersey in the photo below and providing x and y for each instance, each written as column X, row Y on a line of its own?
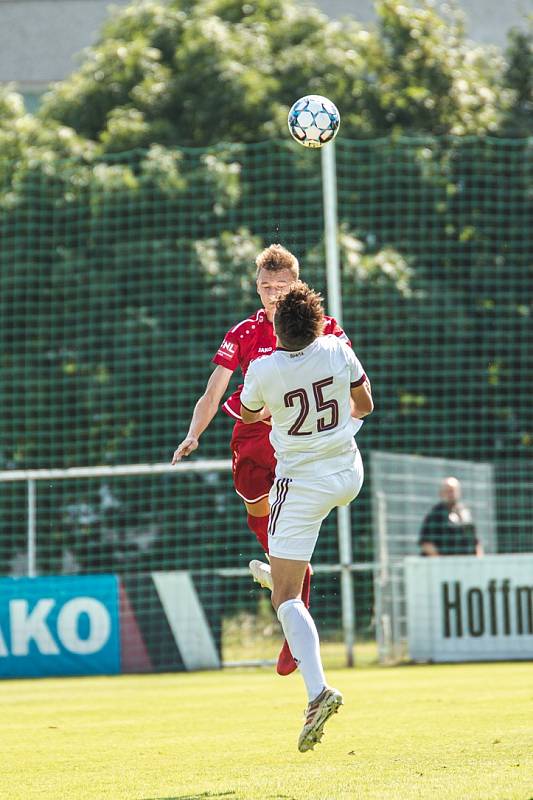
column 308, row 394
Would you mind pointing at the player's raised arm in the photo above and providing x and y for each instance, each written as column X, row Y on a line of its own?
column 204, row 411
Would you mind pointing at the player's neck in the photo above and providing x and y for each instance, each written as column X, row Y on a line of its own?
column 281, row 346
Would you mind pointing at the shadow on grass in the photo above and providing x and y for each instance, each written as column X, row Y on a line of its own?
column 212, row 795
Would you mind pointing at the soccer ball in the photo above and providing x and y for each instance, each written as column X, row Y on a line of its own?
column 313, row 120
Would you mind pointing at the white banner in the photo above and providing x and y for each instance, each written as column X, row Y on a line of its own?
column 462, row 608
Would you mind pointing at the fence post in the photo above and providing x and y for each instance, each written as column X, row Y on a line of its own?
column 331, row 225
column 344, row 531
column 382, row 583
column 32, row 527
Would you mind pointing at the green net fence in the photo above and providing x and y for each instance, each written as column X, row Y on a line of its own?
column 120, row 279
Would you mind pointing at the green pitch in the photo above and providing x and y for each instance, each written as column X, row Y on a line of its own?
column 461, row 732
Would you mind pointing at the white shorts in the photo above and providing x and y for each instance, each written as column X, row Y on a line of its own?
column 298, row 506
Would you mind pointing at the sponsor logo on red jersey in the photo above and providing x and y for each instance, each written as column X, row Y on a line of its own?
column 227, row 349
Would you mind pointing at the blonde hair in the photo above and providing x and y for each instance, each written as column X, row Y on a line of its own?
column 276, row 258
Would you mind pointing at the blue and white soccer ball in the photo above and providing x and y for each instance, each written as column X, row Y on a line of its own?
column 314, row 120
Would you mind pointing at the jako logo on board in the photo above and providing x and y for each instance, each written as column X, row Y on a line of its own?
column 59, row 625
column 26, row 626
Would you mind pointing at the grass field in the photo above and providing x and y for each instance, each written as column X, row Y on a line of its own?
column 462, row 732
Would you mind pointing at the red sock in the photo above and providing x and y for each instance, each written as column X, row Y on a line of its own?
column 306, row 586
column 259, row 526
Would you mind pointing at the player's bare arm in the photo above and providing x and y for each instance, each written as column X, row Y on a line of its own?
column 204, row 411
column 362, row 403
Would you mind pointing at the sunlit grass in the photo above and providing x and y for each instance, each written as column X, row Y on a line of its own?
column 461, row 732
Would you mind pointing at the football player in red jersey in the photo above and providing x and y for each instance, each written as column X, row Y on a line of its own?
column 253, row 460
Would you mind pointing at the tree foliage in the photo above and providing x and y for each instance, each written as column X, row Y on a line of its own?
column 195, row 74
column 518, row 78
column 104, row 254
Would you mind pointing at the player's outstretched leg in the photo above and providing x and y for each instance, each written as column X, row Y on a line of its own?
column 286, row 663
column 301, row 633
column 259, row 526
column 263, row 576
column 261, row 573
column 318, row 712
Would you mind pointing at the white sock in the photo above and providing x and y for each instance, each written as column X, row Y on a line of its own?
column 301, row 633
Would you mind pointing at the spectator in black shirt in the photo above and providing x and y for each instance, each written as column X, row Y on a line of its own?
column 448, row 529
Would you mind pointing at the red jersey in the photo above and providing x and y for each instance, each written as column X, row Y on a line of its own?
column 250, row 339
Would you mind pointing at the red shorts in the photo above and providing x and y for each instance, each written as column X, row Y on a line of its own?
column 253, row 461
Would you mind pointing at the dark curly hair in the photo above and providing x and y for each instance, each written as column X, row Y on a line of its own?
column 299, row 317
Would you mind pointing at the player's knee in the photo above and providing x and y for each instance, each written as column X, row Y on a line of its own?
column 280, row 595
column 277, row 599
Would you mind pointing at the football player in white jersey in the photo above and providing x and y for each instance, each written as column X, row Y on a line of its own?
column 306, row 384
